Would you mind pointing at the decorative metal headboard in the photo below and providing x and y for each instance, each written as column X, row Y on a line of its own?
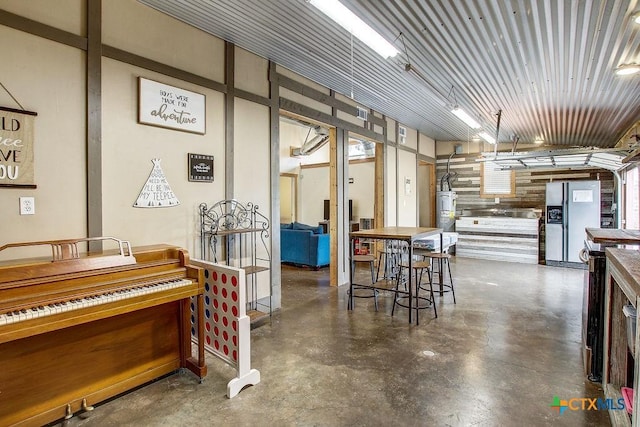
column 228, row 217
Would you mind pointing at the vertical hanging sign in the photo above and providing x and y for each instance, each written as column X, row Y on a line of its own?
column 16, row 148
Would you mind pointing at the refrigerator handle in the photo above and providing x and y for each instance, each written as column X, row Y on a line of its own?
column 584, row 257
column 565, row 222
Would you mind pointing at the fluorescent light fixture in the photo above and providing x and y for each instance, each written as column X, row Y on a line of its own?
column 356, row 26
column 487, row 137
column 627, row 69
column 538, row 140
column 462, row 115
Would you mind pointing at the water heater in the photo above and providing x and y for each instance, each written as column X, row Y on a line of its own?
column 446, row 210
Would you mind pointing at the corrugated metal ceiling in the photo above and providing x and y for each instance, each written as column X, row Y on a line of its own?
column 548, row 65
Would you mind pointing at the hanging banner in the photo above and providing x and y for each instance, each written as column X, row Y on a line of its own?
column 170, row 107
column 16, row 148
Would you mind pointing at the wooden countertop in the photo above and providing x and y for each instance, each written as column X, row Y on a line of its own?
column 613, row 235
column 627, row 264
column 398, row 233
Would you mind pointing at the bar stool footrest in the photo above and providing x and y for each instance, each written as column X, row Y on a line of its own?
column 402, row 303
column 374, row 294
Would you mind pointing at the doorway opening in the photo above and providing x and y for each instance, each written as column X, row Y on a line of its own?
column 426, row 194
column 288, row 197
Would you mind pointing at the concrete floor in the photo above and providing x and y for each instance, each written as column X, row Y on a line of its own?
column 500, row 355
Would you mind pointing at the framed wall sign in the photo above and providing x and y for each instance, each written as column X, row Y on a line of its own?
column 16, row 148
column 170, row 107
column 200, row 168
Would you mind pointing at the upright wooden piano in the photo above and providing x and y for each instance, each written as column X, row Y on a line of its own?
column 78, row 329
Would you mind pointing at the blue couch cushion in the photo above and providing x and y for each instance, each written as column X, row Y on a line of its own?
column 288, row 226
column 313, row 229
column 305, row 248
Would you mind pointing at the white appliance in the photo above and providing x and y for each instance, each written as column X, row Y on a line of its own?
column 446, row 210
column 571, row 206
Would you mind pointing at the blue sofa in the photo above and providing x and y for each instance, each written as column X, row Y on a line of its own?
column 304, row 245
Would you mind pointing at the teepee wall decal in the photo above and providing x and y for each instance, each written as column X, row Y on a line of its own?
column 156, row 192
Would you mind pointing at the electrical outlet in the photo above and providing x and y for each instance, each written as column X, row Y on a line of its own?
column 27, row 205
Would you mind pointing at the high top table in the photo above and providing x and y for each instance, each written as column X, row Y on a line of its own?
column 613, row 235
column 405, row 234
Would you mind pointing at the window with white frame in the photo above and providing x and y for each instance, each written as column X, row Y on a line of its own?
column 632, row 199
column 495, row 182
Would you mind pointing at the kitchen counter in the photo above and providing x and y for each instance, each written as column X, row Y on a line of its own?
column 502, row 238
column 621, row 360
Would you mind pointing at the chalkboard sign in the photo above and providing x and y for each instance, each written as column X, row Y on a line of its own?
column 200, row 168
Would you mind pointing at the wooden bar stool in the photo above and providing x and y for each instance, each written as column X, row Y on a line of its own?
column 442, row 260
column 370, row 259
column 418, row 270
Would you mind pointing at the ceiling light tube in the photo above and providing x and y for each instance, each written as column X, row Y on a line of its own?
column 627, row 69
column 356, row 26
column 487, row 137
column 462, row 115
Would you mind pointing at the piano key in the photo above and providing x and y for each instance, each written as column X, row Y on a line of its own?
column 22, row 314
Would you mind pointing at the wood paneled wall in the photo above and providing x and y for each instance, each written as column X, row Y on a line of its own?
column 530, row 186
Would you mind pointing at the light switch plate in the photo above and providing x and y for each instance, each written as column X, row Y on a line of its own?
column 27, row 205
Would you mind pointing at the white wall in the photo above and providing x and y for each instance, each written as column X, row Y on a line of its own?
column 128, row 150
column 251, row 178
column 162, row 38
column 251, row 72
column 391, row 188
column 251, row 174
column 313, row 189
column 362, row 190
column 411, row 139
column 293, row 135
column 391, row 129
column 69, row 15
column 47, row 78
column 129, row 147
column 407, row 193
column 301, row 99
column 59, row 97
column 427, row 146
column 287, row 194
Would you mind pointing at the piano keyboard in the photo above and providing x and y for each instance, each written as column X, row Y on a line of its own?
column 88, row 301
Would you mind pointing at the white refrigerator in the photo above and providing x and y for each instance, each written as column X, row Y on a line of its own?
column 571, row 206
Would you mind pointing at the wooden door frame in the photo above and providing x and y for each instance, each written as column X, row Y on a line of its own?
column 432, row 189
column 295, row 191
